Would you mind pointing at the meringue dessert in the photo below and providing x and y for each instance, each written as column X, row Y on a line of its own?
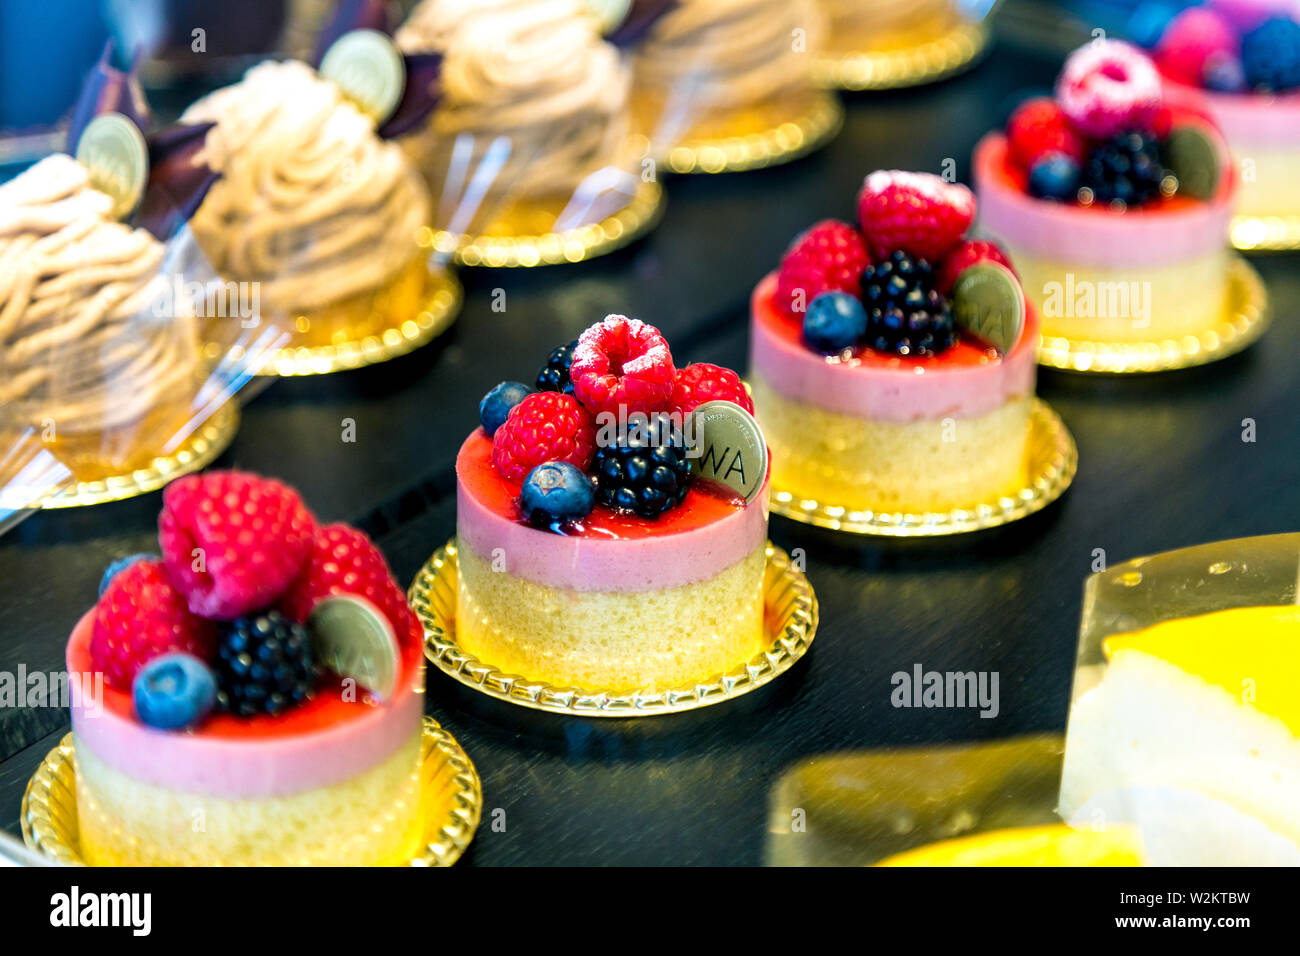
column 733, row 68
column 312, row 205
column 1190, row 731
column 609, row 566
column 94, row 351
column 533, row 74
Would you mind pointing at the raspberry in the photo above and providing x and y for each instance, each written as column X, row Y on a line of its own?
column 1038, row 127
column 1162, row 123
column 140, row 617
column 966, row 255
column 232, row 541
column 545, row 426
column 1108, row 87
column 916, row 213
column 827, row 257
column 622, row 363
column 343, row 560
column 1191, row 40
column 701, row 382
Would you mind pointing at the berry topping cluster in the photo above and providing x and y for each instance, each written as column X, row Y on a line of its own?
column 223, row 618
column 1228, row 46
column 885, row 285
column 1104, row 137
column 604, row 427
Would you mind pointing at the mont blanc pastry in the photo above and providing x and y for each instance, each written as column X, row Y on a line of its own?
column 311, row 203
column 533, row 74
column 721, row 69
column 91, row 342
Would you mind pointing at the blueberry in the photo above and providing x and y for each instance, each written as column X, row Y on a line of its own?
column 496, row 404
column 1054, row 176
column 1148, row 22
column 557, row 491
column 834, row 321
column 1270, row 55
column 173, row 691
column 121, row 564
column 1224, row 74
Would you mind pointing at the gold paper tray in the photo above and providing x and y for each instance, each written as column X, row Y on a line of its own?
column 958, row 49
column 402, row 331
column 513, row 240
column 790, row 615
column 1246, row 318
column 1053, row 460
column 787, row 134
column 198, row 451
column 1266, row 233
column 453, row 798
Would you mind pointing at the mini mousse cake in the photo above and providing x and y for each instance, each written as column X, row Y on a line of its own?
column 1113, row 202
column 892, row 362
column 1242, row 59
column 261, row 694
column 594, row 551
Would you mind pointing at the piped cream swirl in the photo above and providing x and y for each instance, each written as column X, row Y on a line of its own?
column 534, row 71
column 88, row 338
column 311, row 203
column 729, row 54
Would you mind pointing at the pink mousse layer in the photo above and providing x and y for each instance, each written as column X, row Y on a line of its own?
column 1250, row 119
column 675, row 551
column 961, row 383
column 1164, row 234
column 263, row 764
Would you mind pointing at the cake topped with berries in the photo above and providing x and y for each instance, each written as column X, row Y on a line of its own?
column 264, row 668
column 596, row 495
column 1113, row 198
column 870, row 335
column 1240, row 59
column 1108, row 138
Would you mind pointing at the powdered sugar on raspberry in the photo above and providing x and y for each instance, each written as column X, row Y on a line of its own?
column 917, row 213
column 1108, row 87
column 621, row 366
column 929, row 185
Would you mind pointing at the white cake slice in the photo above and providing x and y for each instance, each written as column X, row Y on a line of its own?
column 1192, row 733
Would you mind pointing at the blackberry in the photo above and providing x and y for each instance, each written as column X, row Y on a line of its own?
column 645, row 473
column 554, row 376
column 1124, row 169
column 906, row 314
column 264, row 665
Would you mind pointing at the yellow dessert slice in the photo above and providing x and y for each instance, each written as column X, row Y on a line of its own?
column 1054, row 845
column 1192, row 733
column 1252, row 653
